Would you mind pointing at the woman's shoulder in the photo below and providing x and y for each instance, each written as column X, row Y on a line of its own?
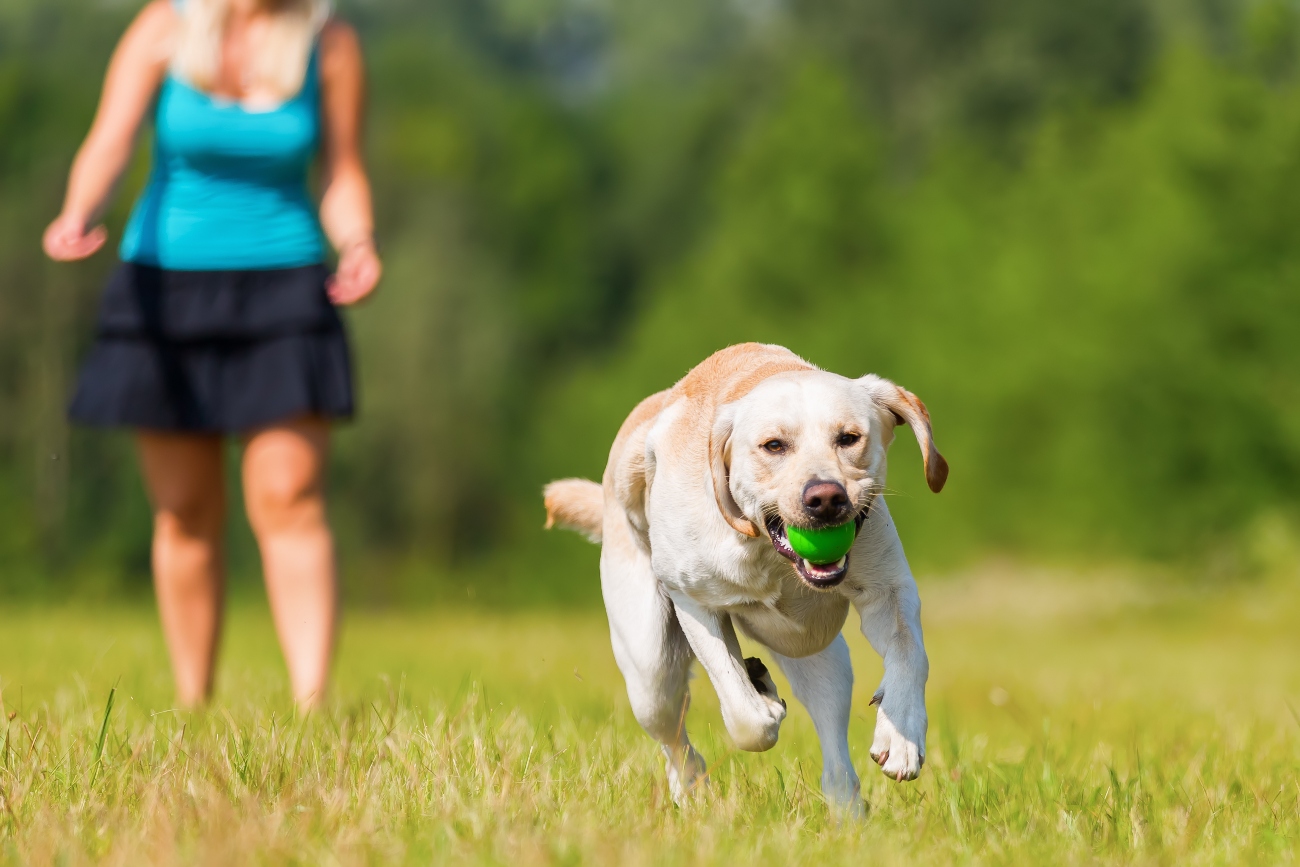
column 152, row 35
column 160, row 15
column 157, row 24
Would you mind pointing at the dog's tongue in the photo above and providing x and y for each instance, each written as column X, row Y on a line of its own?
column 824, row 568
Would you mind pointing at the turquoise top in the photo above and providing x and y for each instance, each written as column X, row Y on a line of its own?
column 228, row 189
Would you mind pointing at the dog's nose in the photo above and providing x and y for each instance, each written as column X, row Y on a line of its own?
column 825, row 501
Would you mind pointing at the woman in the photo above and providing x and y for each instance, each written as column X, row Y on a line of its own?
column 220, row 319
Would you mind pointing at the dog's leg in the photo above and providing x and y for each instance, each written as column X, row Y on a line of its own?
column 891, row 621
column 823, row 683
column 752, row 716
column 653, row 655
column 886, row 598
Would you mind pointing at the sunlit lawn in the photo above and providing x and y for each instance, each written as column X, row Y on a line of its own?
column 1073, row 721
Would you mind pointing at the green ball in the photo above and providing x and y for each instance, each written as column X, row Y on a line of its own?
column 822, row 546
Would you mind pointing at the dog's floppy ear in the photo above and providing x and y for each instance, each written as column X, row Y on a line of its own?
column 908, row 409
column 720, row 466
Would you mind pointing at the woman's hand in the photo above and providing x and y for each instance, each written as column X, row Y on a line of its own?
column 346, row 214
column 67, row 238
column 358, row 273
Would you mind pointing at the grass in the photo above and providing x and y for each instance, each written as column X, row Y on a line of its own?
column 1072, row 721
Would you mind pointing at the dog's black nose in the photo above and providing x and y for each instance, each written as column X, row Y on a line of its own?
column 825, row 501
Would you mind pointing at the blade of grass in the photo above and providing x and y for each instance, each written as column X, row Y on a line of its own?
column 103, row 733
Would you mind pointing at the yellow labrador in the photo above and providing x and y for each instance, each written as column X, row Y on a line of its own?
column 701, row 483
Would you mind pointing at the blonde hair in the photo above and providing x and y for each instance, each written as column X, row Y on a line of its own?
column 280, row 62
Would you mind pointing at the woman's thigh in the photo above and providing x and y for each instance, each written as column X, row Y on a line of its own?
column 183, row 474
column 284, row 473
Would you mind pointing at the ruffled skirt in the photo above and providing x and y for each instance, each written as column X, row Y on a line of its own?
column 214, row 351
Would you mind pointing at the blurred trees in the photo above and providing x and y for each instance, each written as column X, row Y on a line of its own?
column 1069, row 227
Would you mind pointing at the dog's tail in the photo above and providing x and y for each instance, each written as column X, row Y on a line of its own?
column 575, row 504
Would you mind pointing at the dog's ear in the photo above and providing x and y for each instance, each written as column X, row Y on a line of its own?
column 907, row 409
column 720, row 466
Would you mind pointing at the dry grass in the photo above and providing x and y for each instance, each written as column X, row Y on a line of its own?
column 1075, row 720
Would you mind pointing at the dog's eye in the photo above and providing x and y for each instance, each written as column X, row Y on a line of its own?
column 774, row 447
column 847, row 439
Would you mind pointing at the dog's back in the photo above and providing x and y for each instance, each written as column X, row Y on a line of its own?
column 730, row 374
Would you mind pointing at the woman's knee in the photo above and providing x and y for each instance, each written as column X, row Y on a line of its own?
column 283, row 477
column 284, row 499
column 200, row 516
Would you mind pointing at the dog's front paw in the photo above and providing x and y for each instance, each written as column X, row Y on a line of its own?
column 757, row 727
column 843, row 794
column 899, row 744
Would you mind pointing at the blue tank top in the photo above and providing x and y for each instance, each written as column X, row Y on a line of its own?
column 228, row 187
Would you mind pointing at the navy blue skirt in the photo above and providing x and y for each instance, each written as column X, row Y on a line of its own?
column 214, row 351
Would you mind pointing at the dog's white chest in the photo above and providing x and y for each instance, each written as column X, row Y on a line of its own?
column 725, row 572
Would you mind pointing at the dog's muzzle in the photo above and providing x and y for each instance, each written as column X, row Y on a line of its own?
column 819, row 577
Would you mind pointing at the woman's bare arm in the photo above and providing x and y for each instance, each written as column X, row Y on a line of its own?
column 345, row 208
column 137, row 69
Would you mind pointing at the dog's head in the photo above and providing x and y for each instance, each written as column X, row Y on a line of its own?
column 808, row 448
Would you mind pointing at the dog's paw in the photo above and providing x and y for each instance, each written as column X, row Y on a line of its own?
column 843, row 795
column 687, row 777
column 760, row 727
column 899, row 744
column 845, row 812
column 757, row 728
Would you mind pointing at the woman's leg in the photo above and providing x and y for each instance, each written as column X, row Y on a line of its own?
column 187, row 491
column 284, row 469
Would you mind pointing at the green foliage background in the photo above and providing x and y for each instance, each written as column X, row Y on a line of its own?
column 1071, row 228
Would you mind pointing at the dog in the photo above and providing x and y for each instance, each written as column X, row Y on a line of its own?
column 701, row 483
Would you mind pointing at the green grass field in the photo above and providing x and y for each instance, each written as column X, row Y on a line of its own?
column 1072, row 721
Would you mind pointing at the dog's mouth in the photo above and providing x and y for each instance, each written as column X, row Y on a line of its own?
column 819, row 576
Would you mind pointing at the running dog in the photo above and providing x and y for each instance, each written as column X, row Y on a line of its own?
column 702, row 481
